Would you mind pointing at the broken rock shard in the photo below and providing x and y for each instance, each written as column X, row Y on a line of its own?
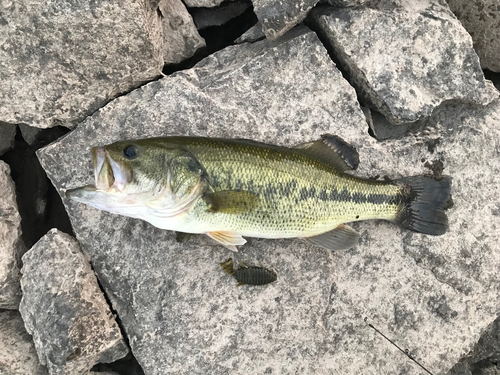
column 11, row 245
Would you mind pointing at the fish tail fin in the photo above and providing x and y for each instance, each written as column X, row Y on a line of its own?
column 425, row 198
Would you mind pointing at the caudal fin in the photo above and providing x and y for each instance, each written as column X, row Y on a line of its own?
column 426, row 197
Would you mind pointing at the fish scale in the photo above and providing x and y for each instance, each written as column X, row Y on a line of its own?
column 289, row 186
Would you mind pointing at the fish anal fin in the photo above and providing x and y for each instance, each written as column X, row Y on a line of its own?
column 231, row 201
column 332, row 150
column 341, row 238
column 228, row 239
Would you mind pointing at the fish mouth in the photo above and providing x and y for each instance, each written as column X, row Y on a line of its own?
column 109, row 174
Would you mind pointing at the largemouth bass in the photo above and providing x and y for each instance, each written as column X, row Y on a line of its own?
column 231, row 188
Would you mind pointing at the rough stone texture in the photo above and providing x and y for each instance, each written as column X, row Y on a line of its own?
column 431, row 295
column 481, row 18
column 76, row 56
column 202, row 3
column 17, row 352
column 180, row 36
column 29, row 133
column 11, row 245
column 485, row 354
column 279, row 16
column 64, row 309
column 252, row 35
column 405, row 60
column 7, row 134
column 206, row 17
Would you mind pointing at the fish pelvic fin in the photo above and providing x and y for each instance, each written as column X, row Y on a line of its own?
column 229, row 239
column 425, row 199
column 341, row 238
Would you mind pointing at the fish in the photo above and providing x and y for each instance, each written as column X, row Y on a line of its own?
column 249, row 275
column 229, row 189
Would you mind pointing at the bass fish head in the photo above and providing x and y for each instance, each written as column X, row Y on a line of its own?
column 141, row 178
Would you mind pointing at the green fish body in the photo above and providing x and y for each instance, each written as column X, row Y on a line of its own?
column 228, row 189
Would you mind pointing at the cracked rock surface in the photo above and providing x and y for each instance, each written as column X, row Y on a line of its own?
column 431, row 295
column 11, row 245
column 406, row 58
column 17, row 352
column 64, row 309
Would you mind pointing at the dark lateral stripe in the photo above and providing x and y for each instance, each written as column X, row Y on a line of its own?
column 345, row 196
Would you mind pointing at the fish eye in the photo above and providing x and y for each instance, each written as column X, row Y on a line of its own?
column 130, row 152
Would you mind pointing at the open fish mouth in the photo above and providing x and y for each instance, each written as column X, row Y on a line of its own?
column 109, row 174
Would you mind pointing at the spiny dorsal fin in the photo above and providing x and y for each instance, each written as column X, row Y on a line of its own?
column 231, row 201
column 228, row 239
column 341, row 238
column 333, row 150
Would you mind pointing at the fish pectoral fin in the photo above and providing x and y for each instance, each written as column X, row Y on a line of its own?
column 231, row 201
column 332, row 150
column 228, row 239
column 341, row 238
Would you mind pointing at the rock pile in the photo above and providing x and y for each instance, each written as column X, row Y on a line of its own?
column 401, row 81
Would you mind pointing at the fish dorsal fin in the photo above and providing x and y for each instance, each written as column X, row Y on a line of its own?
column 231, row 201
column 332, row 150
column 228, row 239
column 341, row 238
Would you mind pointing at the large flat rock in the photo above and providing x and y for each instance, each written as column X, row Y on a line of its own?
column 61, row 61
column 184, row 315
column 64, row 310
column 404, row 58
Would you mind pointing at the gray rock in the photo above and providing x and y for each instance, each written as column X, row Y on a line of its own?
column 429, row 59
column 29, row 133
column 383, row 129
column 278, row 16
column 252, row 35
column 17, row 352
column 202, row 3
column 485, row 352
column 481, row 18
column 61, row 61
column 7, row 134
column 181, row 39
column 206, row 17
column 64, row 309
column 11, row 245
column 430, row 295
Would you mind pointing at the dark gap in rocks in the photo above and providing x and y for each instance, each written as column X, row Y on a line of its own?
column 219, row 15
column 40, row 206
column 219, row 37
column 493, row 77
column 124, row 366
column 216, row 38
